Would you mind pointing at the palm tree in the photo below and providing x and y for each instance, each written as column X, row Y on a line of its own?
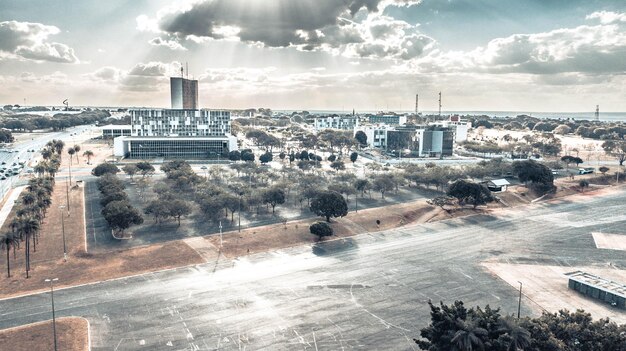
column 28, row 227
column 7, row 242
column 40, row 168
column 71, row 152
column 89, row 155
column 520, row 337
column 468, row 337
column 77, row 149
column 46, row 153
column 58, row 146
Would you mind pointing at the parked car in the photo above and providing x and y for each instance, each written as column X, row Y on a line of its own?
column 587, row 170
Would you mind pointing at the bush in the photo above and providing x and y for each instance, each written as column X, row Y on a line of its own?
column 321, row 229
column 105, row 168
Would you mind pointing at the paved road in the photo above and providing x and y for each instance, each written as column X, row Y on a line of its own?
column 363, row 293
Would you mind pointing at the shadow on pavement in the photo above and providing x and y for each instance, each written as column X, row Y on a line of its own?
column 340, row 248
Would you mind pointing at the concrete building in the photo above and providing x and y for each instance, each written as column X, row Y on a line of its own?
column 348, row 122
column 460, row 126
column 184, row 93
column 183, row 132
column 179, row 123
column 425, row 141
column 387, row 119
column 114, row 131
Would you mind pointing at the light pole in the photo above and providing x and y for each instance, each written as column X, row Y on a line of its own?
column 54, row 323
column 519, row 302
column 63, row 231
column 239, row 214
column 67, row 194
column 220, row 234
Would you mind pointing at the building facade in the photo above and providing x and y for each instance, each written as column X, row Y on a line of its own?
column 184, row 93
column 173, row 148
column 387, row 119
column 336, row 122
column 114, row 131
column 179, row 123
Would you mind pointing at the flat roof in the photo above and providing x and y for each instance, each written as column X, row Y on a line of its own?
column 117, row 126
column 614, row 288
column 163, row 138
column 500, row 182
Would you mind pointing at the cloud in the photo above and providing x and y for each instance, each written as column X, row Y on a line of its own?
column 143, row 77
column 595, row 49
column 607, row 17
column 24, row 40
column 170, row 44
column 343, row 27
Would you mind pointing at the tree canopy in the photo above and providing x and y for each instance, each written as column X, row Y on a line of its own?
column 329, row 204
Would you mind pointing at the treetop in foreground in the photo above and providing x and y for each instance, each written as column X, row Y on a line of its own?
column 455, row 327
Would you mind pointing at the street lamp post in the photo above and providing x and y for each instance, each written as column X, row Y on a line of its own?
column 220, row 234
column 239, row 214
column 519, row 302
column 63, row 231
column 54, row 323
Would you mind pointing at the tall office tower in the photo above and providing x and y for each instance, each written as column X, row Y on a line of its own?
column 184, row 93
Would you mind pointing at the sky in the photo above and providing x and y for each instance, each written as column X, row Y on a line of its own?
column 482, row 55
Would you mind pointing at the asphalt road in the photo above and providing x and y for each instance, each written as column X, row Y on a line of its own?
column 369, row 292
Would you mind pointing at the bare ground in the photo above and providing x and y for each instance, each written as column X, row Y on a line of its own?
column 72, row 335
column 545, row 287
column 82, row 267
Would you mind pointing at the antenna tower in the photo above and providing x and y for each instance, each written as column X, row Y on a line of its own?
column 417, row 100
column 439, row 104
column 597, row 112
column 187, row 69
column 182, row 72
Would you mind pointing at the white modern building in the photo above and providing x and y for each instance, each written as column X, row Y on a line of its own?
column 460, row 126
column 336, row 122
column 114, row 131
column 388, row 119
column 182, row 133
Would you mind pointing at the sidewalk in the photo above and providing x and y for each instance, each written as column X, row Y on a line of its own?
column 8, row 205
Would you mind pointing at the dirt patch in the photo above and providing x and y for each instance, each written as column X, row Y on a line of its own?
column 82, row 267
column 610, row 241
column 100, row 148
column 277, row 236
column 545, row 287
column 72, row 335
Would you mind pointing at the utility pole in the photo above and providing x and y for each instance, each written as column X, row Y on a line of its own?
column 63, row 231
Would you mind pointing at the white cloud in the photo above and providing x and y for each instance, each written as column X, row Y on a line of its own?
column 24, row 40
column 171, row 44
column 608, row 17
column 597, row 49
column 341, row 27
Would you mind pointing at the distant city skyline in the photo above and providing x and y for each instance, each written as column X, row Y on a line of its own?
column 484, row 55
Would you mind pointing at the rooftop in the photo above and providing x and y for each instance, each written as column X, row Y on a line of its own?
column 598, row 282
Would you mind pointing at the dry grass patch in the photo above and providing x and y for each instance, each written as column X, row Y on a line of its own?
column 82, row 267
column 72, row 335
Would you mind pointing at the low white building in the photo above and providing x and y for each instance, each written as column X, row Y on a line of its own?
column 336, row 122
column 460, row 126
column 138, row 147
column 114, row 130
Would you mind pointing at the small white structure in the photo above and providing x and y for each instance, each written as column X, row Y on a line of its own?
column 497, row 184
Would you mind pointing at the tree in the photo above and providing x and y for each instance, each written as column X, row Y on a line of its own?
column 76, row 150
column 338, row 166
column 7, row 242
column 145, row 168
column 274, row 196
column 469, row 337
column 120, row 215
column 266, row 157
column 247, row 155
column 583, row 184
column 179, row 208
column 71, row 152
column 329, row 204
column 464, row 191
column 362, row 185
column 104, row 168
column 234, row 155
column 603, row 170
column 354, row 156
column 321, row 229
column 282, row 155
column 158, row 209
column 361, row 138
column 382, row 184
column 131, row 170
column 89, row 155
column 540, row 175
column 616, row 148
column 443, row 201
column 332, row 158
